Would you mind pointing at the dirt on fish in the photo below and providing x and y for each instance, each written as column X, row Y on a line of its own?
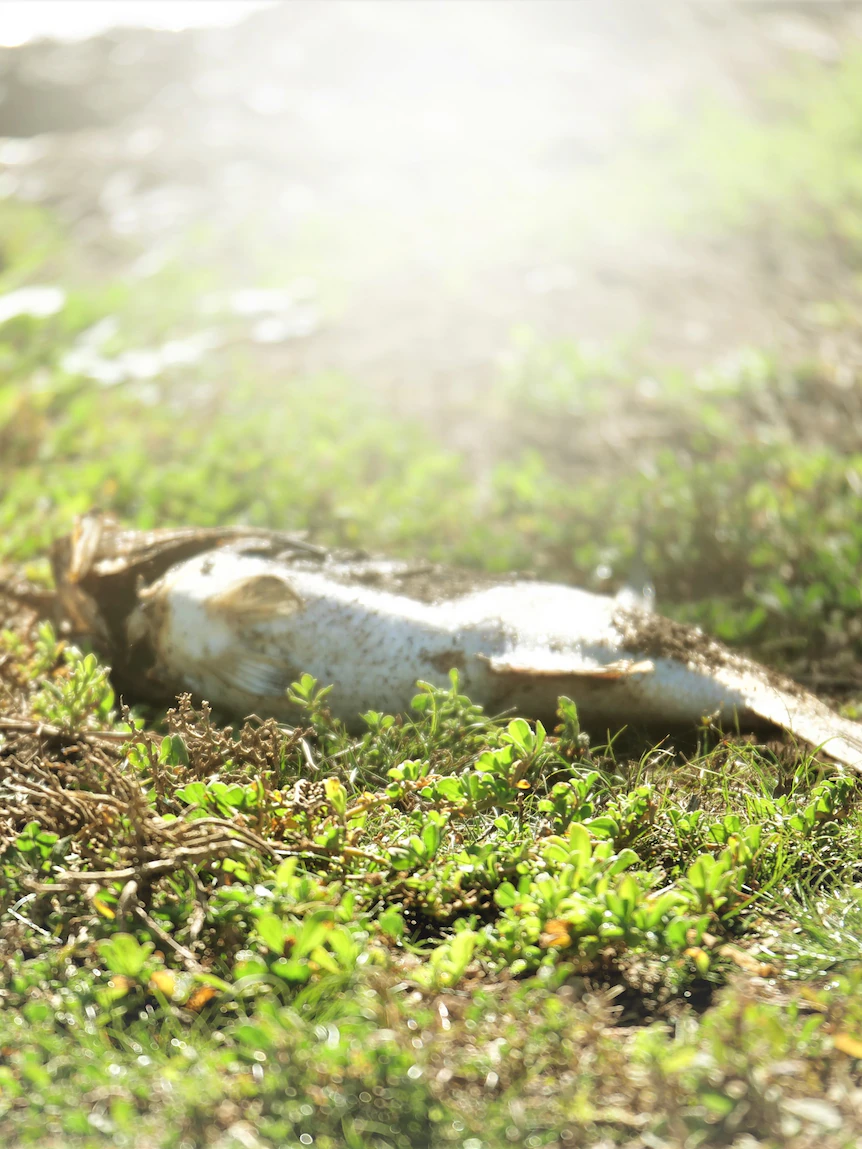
column 423, row 581
column 659, row 637
column 112, row 565
column 654, row 636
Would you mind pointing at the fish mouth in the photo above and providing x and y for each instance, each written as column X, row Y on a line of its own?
column 103, row 571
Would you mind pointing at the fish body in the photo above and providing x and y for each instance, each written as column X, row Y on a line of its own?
column 237, row 616
column 238, row 629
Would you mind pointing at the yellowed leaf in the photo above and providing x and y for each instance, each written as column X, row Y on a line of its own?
column 163, row 981
column 103, row 908
column 120, row 981
column 847, row 1044
column 700, row 958
column 747, row 961
column 556, row 935
column 200, row 996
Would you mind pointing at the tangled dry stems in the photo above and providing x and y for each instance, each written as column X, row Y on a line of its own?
column 85, row 793
column 80, row 785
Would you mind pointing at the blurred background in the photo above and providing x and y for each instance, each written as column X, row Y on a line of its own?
column 515, row 285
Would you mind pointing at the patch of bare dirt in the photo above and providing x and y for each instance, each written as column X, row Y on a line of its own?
column 133, row 136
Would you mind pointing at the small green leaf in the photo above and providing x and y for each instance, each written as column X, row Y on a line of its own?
column 391, row 923
column 272, row 933
column 173, row 751
column 123, row 954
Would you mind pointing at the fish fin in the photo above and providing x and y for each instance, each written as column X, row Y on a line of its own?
column 86, row 539
column 638, row 593
column 801, row 713
column 547, row 664
column 636, row 597
column 254, row 674
column 256, row 599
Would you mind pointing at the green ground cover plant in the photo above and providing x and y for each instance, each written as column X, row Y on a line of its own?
column 450, row 930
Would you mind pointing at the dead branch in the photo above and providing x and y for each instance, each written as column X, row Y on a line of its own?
column 101, row 738
column 187, row 957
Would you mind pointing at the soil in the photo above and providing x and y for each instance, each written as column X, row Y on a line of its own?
column 132, row 136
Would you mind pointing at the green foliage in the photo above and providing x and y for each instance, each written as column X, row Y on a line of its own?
column 432, row 855
column 78, row 692
column 125, row 955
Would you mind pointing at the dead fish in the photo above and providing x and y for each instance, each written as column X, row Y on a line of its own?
column 236, row 617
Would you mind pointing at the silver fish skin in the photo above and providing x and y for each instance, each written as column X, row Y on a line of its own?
column 238, row 629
